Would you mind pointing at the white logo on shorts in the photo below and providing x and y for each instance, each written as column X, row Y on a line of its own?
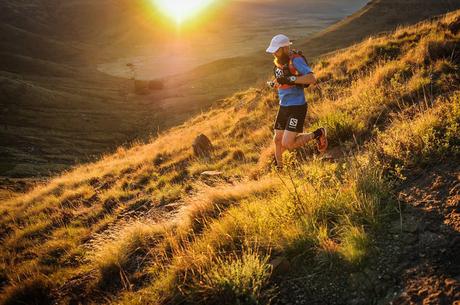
column 293, row 122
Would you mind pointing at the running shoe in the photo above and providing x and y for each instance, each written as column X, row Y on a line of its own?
column 321, row 141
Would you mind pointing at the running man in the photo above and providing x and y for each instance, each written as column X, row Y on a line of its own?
column 292, row 75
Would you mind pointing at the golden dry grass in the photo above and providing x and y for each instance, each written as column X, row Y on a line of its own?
column 154, row 230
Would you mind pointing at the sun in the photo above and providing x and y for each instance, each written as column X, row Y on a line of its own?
column 181, row 10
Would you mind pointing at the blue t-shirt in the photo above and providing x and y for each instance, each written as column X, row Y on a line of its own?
column 295, row 96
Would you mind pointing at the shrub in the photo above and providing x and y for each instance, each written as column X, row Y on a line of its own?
column 115, row 259
column 355, row 244
column 34, row 291
column 233, row 280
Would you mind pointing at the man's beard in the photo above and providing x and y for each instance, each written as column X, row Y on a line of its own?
column 284, row 58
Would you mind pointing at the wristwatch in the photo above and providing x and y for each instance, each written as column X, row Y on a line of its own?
column 288, row 80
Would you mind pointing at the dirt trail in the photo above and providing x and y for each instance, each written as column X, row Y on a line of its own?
column 432, row 201
column 417, row 262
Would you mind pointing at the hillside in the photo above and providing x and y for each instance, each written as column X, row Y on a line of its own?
column 58, row 110
column 376, row 17
column 375, row 221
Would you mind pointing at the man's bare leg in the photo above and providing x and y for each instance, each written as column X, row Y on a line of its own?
column 279, row 148
column 292, row 139
column 303, row 138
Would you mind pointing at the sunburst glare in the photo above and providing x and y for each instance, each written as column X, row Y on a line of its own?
column 181, row 10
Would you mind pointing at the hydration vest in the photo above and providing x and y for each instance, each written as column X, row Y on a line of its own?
column 289, row 69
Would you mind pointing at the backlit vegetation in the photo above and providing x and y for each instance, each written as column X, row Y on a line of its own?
column 143, row 226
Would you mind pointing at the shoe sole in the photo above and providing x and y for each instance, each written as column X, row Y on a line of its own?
column 327, row 144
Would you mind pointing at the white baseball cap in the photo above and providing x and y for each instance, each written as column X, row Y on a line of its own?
column 277, row 42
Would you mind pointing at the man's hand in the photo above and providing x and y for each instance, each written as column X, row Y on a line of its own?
column 271, row 84
column 290, row 80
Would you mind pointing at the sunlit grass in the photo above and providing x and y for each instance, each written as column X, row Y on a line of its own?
column 391, row 103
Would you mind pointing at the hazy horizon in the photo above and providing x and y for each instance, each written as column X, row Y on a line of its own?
column 220, row 38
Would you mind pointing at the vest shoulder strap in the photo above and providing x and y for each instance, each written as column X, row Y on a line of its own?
column 297, row 53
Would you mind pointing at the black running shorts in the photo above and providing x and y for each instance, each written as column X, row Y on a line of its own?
column 291, row 118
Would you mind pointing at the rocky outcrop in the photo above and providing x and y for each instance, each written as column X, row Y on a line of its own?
column 202, row 146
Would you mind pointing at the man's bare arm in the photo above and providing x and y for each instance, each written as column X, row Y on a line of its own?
column 307, row 79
